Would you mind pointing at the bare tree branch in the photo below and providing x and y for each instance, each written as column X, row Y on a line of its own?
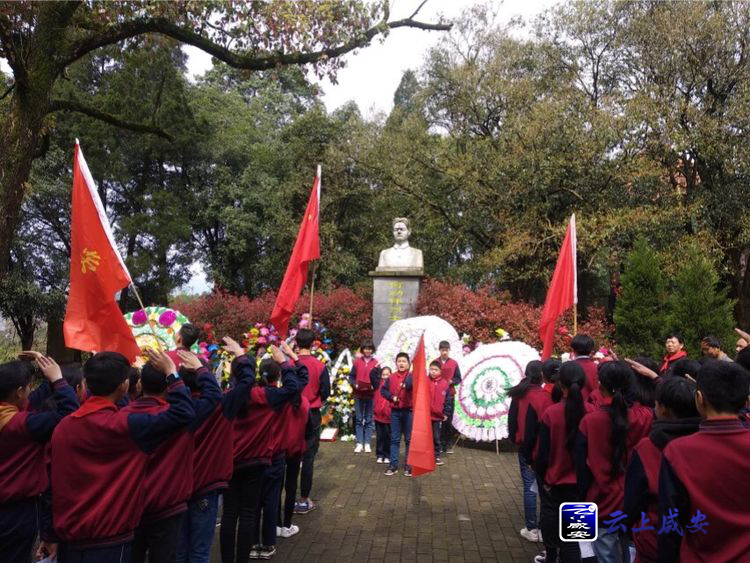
column 421, row 5
column 72, row 105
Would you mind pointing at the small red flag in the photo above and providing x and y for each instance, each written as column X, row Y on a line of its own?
column 563, row 289
column 306, row 249
column 93, row 320
column 421, row 448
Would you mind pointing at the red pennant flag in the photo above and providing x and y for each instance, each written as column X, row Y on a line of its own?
column 563, row 289
column 93, row 321
column 421, row 448
column 306, row 249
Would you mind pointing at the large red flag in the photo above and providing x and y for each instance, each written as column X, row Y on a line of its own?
column 93, row 321
column 306, row 249
column 563, row 289
column 421, row 448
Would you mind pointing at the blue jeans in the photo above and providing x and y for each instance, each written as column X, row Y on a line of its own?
column 611, row 548
column 363, row 413
column 529, row 497
column 400, row 424
column 198, row 528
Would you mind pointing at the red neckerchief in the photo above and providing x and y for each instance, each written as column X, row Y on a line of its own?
column 668, row 359
column 93, row 404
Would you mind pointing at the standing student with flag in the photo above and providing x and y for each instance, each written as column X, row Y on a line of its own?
column 397, row 390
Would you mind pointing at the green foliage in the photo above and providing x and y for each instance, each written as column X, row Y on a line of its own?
column 698, row 306
column 641, row 315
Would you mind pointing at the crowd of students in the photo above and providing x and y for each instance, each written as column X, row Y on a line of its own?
column 92, row 470
column 662, row 451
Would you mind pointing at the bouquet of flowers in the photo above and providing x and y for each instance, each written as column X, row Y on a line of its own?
column 338, row 410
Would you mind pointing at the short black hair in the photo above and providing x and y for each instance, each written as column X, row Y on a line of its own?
column 724, row 385
column 678, row 395
column 153, row 381
column 551, row 370
column 436, row 363
column 712, row 342
column 444, row 345
column 367, row 344
column 684, row 367
column 269, row 371
column 13, row 375
column 189, row 334
column 72, row 374
column 582, row 344
column 677, row 335
column 105, row 371
column 403, row 355
column 134, row 376
column 305, row 338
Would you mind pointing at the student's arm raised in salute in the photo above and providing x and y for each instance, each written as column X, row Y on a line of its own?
column 150, row 430
column 293, row 379
column 243, row 371
column 41, row 424
column 209, row 391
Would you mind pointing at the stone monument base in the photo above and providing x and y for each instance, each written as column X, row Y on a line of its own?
column 394, row 297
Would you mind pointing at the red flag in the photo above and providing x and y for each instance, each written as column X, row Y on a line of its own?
column 422, row 448
column 306, row 249
column 563, row 289
column 93, row 321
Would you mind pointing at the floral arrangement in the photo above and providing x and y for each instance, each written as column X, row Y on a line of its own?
column 157, row 327
column 338, row 410
column 403, row 336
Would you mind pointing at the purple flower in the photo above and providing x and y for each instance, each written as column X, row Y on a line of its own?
column 139, row 317
column 167, row 317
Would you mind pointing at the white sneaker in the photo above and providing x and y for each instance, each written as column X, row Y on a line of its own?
column 368, row 449
column 530, row 535
column 379, row 460
column 386, row 460
column 288, row 532
column 358, row 449
column 541, row 558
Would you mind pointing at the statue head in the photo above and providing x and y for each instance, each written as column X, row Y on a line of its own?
column 401, row 229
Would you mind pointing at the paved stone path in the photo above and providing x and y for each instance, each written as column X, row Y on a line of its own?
column 469, row 509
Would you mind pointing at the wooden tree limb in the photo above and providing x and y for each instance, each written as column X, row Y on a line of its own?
column 72, row 105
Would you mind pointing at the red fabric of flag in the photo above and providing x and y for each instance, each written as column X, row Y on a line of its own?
column 306, row 249
column 421, row 448
column 562, row 293
column 93, row 320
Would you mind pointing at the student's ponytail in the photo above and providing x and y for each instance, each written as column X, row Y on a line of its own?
column 616, row 378
column 533, row 375
column 572, row 378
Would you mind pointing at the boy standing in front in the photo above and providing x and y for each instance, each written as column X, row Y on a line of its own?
column 397, row 390
column 440, row 402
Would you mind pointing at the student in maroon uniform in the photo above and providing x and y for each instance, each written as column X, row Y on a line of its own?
column 258, row 459
column 527, row 395
column 705, row 477
column 581, row 347
column 440, row 404
column 99, row 460
column 25, row 431
column 363, row 379
column 382, row 414
column 186, row 337
column 452, row 374
column 397, row 390
column 605, row 444
column 294, row 421
column 555, row 464
column 166, row 496
column 316, row 392
column 676, row 416
column 212, row 454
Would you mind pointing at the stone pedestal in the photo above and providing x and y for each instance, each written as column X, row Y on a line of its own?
column 394, row 297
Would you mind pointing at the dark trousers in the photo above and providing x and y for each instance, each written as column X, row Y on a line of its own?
column 112, row 554
column 447, row 432
column 290, row 491
column 400, row 425
column 436, row 437
column 382, row 439
column 198, row 529
column 240, row 514
column 312, row 436
column 19, row 526
column 566, row 552
column 268, row 511
column 158, row 539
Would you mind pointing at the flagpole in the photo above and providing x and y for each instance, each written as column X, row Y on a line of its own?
column 575, row 319
column 312, row 290
column 140, row 302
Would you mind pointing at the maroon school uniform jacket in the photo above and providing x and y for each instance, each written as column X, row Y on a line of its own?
column 593, row 462
column 167, row 487
column 318, row 383
column 451, row 373
column 439, row 398
column 592, row 376
column 539, row 400
column 257, row 436
column 362, row 378
column 99, row 459
column 293, row 423
column 24, row 436
column 707, row 472
column 555, row 464
column 381, row 407
column 398, row 385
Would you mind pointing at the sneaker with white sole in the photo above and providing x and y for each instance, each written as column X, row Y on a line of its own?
column 391, row 471
column 358, row 449
column 288, row 532
column 266, row 552
column 303, row 507
column 439, row 461
column 541, row 558
column 386, row 460
column 530, row 535
column 255, row 552
column 368, row 449
column 379, row 460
